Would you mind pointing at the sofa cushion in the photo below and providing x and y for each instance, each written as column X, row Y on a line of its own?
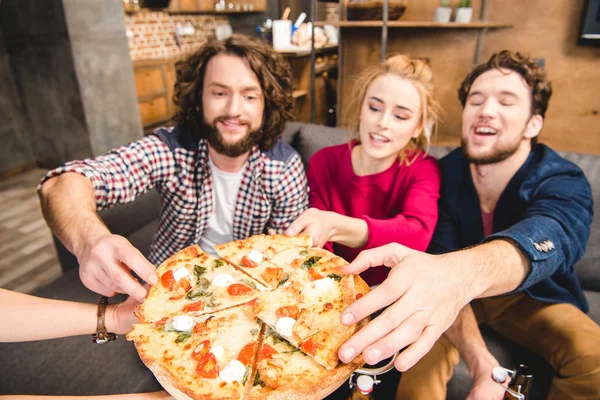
column 588, row 267
column 308, row 138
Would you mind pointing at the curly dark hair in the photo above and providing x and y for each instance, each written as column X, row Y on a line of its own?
column 272, row 71
column 534, row 75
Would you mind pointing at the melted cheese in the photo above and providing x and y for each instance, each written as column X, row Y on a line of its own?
column 181, row 273
column 183, row 323
column 256, row 256
column 324, row 284
column 223, row 280
column 234, row 371
column 284, row 326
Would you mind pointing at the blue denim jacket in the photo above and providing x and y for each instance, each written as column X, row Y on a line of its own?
column 546, row 210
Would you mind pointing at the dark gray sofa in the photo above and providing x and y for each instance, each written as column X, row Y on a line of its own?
column 75, row 366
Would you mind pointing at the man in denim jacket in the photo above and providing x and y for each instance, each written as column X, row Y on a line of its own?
column 527, row 211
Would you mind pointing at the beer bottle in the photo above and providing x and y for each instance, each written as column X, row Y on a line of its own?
column 520, row 384
column 363, row 389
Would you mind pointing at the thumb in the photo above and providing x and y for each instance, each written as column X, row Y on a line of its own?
column 389, row 255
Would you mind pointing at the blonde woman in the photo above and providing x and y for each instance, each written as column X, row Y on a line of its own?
column 382, row 187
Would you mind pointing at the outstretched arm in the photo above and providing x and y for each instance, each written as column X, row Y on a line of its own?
column 26, row 318
column 424, row 293
column 69, row 206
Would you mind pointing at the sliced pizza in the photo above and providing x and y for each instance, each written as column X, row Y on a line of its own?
column 206, row 357
column 285, row 372
column 270, row 259
column 308, row 315
column 196, row 283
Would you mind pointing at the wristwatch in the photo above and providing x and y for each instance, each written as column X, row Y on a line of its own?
column 101, row 336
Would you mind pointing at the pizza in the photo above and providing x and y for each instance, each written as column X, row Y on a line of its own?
column 232, row 329
column 192, row 281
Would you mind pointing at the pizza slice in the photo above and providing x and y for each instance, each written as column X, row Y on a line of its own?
column 270, row 259
column 308, row 315
column 193, row 282
column 206, row 357
column 285, row 372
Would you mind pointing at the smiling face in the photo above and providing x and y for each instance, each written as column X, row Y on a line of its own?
column 496, row 119
column 389, row 117
column 233, row 104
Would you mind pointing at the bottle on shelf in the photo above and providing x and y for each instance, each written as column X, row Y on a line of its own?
column 363, row 388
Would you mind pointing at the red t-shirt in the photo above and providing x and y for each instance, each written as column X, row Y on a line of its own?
column 399, row 204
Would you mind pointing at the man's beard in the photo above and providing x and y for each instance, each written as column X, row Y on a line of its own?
column 218, row 143
column 496, row 155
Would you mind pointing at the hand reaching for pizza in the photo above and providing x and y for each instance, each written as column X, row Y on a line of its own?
column 315, row 222
column 120, row 317
column 328, row 226
column 105, row 267
column 424, row 296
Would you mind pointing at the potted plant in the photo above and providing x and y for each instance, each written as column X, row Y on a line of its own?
column 443, row 13
column 464, row 12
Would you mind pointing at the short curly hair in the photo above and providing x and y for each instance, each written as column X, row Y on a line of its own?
column 272, row 71
column 534, row 75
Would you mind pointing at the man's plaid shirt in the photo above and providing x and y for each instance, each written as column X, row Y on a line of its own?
column 273, row 191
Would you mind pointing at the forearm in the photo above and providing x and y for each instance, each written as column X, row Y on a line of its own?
column 491, row 269
column 69, row 207
column 26, row 318
column 351, row 232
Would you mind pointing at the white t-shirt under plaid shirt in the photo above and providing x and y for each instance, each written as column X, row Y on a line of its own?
column 272, row 193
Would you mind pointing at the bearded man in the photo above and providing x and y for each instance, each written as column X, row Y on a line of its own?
column 222, row 172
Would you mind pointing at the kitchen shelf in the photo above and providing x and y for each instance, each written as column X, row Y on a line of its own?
column 416, row 24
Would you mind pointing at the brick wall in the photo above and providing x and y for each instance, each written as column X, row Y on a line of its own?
column 151, row 34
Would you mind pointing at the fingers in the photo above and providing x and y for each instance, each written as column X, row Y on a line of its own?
column 95, row 285
column 389, row 255
column 272, row 231
column 299, row 224
column 133, row 259
column 413, row 353
column 385, row 323
column 403, row 335
column 383, row 295
column 128, row 284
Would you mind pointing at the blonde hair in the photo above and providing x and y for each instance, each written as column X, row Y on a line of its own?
column 419, row 73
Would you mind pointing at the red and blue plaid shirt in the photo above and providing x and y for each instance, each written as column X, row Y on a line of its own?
column 273, row 191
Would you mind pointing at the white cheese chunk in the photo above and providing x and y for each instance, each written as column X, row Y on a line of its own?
column 181, row 273
column 223, row 280
column 324, row 284
column 256, row 256
column 234, row 371
column 183, row 323
column 284, row 326
column 218, row 351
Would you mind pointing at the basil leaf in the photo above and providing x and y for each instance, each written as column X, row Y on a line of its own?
column 182, row 337
column 199, row 271
column 203, row 283
column 335, row 277
column 249, row 283
column 245, row 378
column 283, row 280
column 303, row 253
column 254, row 332
column 257, row 380
column 194, row 294
column 218, row 263
column 310, row 262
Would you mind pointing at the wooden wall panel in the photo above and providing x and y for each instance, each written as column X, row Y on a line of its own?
column 549, row 30
column 544, row 29
column 450, row 53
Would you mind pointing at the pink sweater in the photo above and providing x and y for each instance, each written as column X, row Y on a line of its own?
column 399, row 204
